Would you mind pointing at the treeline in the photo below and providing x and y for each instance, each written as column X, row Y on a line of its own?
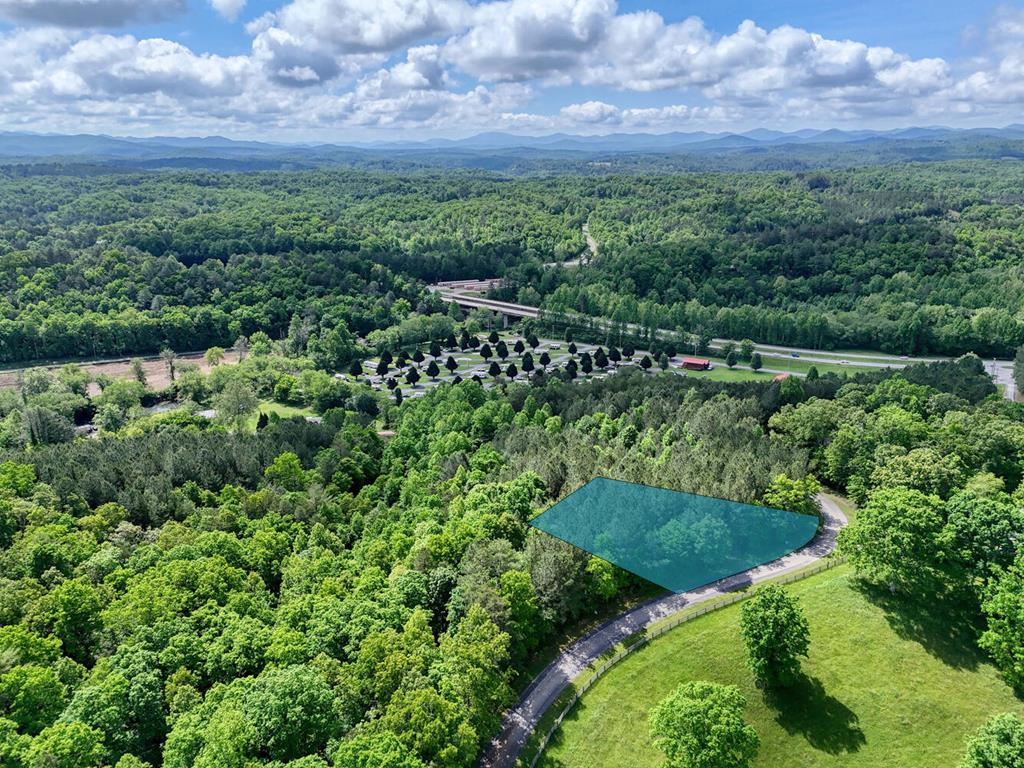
column 906, row 259
column 108, row 302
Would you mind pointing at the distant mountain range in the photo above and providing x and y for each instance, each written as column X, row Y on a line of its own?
column 698, row 140
column 760, row 148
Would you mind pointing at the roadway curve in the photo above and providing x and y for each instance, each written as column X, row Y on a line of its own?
column 545, row 689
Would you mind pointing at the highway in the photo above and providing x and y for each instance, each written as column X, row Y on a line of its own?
column 467, row 294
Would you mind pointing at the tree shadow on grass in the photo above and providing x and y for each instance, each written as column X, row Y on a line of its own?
column 806, row 708
column 946, row 626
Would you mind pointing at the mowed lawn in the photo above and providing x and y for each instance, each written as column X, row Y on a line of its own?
column 284, row 411
column 884, row 688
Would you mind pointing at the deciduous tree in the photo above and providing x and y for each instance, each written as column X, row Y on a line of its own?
column 700, row 725
column 776, row 634
column 997, row 744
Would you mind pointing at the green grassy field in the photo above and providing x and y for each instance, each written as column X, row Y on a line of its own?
column 885, row 686
column 722, row 373
column 284, row 411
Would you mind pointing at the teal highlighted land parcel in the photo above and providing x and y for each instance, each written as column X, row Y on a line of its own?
column 676, row 540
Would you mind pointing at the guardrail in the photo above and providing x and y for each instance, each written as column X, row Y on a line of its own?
column 660, row 629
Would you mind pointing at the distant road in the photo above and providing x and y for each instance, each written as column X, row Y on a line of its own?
column 588, row 255
column 591, row 242
column 520, row 721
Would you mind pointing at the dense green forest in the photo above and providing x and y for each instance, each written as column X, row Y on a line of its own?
column 365, row 591
column 318, row 573
column 915, row 258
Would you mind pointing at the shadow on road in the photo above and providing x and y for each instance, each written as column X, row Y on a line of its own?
column 807, row 709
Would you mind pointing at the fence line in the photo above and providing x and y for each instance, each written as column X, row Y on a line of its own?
column 598, row 672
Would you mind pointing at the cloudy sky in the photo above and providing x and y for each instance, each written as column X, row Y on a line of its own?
column 384, row 69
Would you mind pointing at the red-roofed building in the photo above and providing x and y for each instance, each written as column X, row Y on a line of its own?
column 696, row 363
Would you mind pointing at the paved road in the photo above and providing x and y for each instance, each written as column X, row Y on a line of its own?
column 1001, row 370
column 520, row 721
column 588, row 255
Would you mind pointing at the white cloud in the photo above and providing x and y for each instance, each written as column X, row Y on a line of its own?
column 451, row 66
column 516, row 40
column 598, row 113
column 89, row 13
column 422, row 70
column 592, row 112
column 229, row 9
column 478, row 108
column 105, row 65
column 314, row 41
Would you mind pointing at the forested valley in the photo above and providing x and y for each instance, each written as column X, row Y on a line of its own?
column 910, row 259
column 270, row 561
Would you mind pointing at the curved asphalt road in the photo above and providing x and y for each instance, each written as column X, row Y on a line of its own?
column 520, row 721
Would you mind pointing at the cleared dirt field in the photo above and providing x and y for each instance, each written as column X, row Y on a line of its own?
column 156, row 371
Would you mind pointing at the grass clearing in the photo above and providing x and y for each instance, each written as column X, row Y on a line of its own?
column 284, row 411
column 886, row 685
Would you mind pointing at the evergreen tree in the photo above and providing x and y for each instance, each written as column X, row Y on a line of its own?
column 746, row 350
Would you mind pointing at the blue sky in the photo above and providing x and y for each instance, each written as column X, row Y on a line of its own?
column 363, row 69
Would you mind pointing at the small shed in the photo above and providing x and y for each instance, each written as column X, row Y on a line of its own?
column 696, row 363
